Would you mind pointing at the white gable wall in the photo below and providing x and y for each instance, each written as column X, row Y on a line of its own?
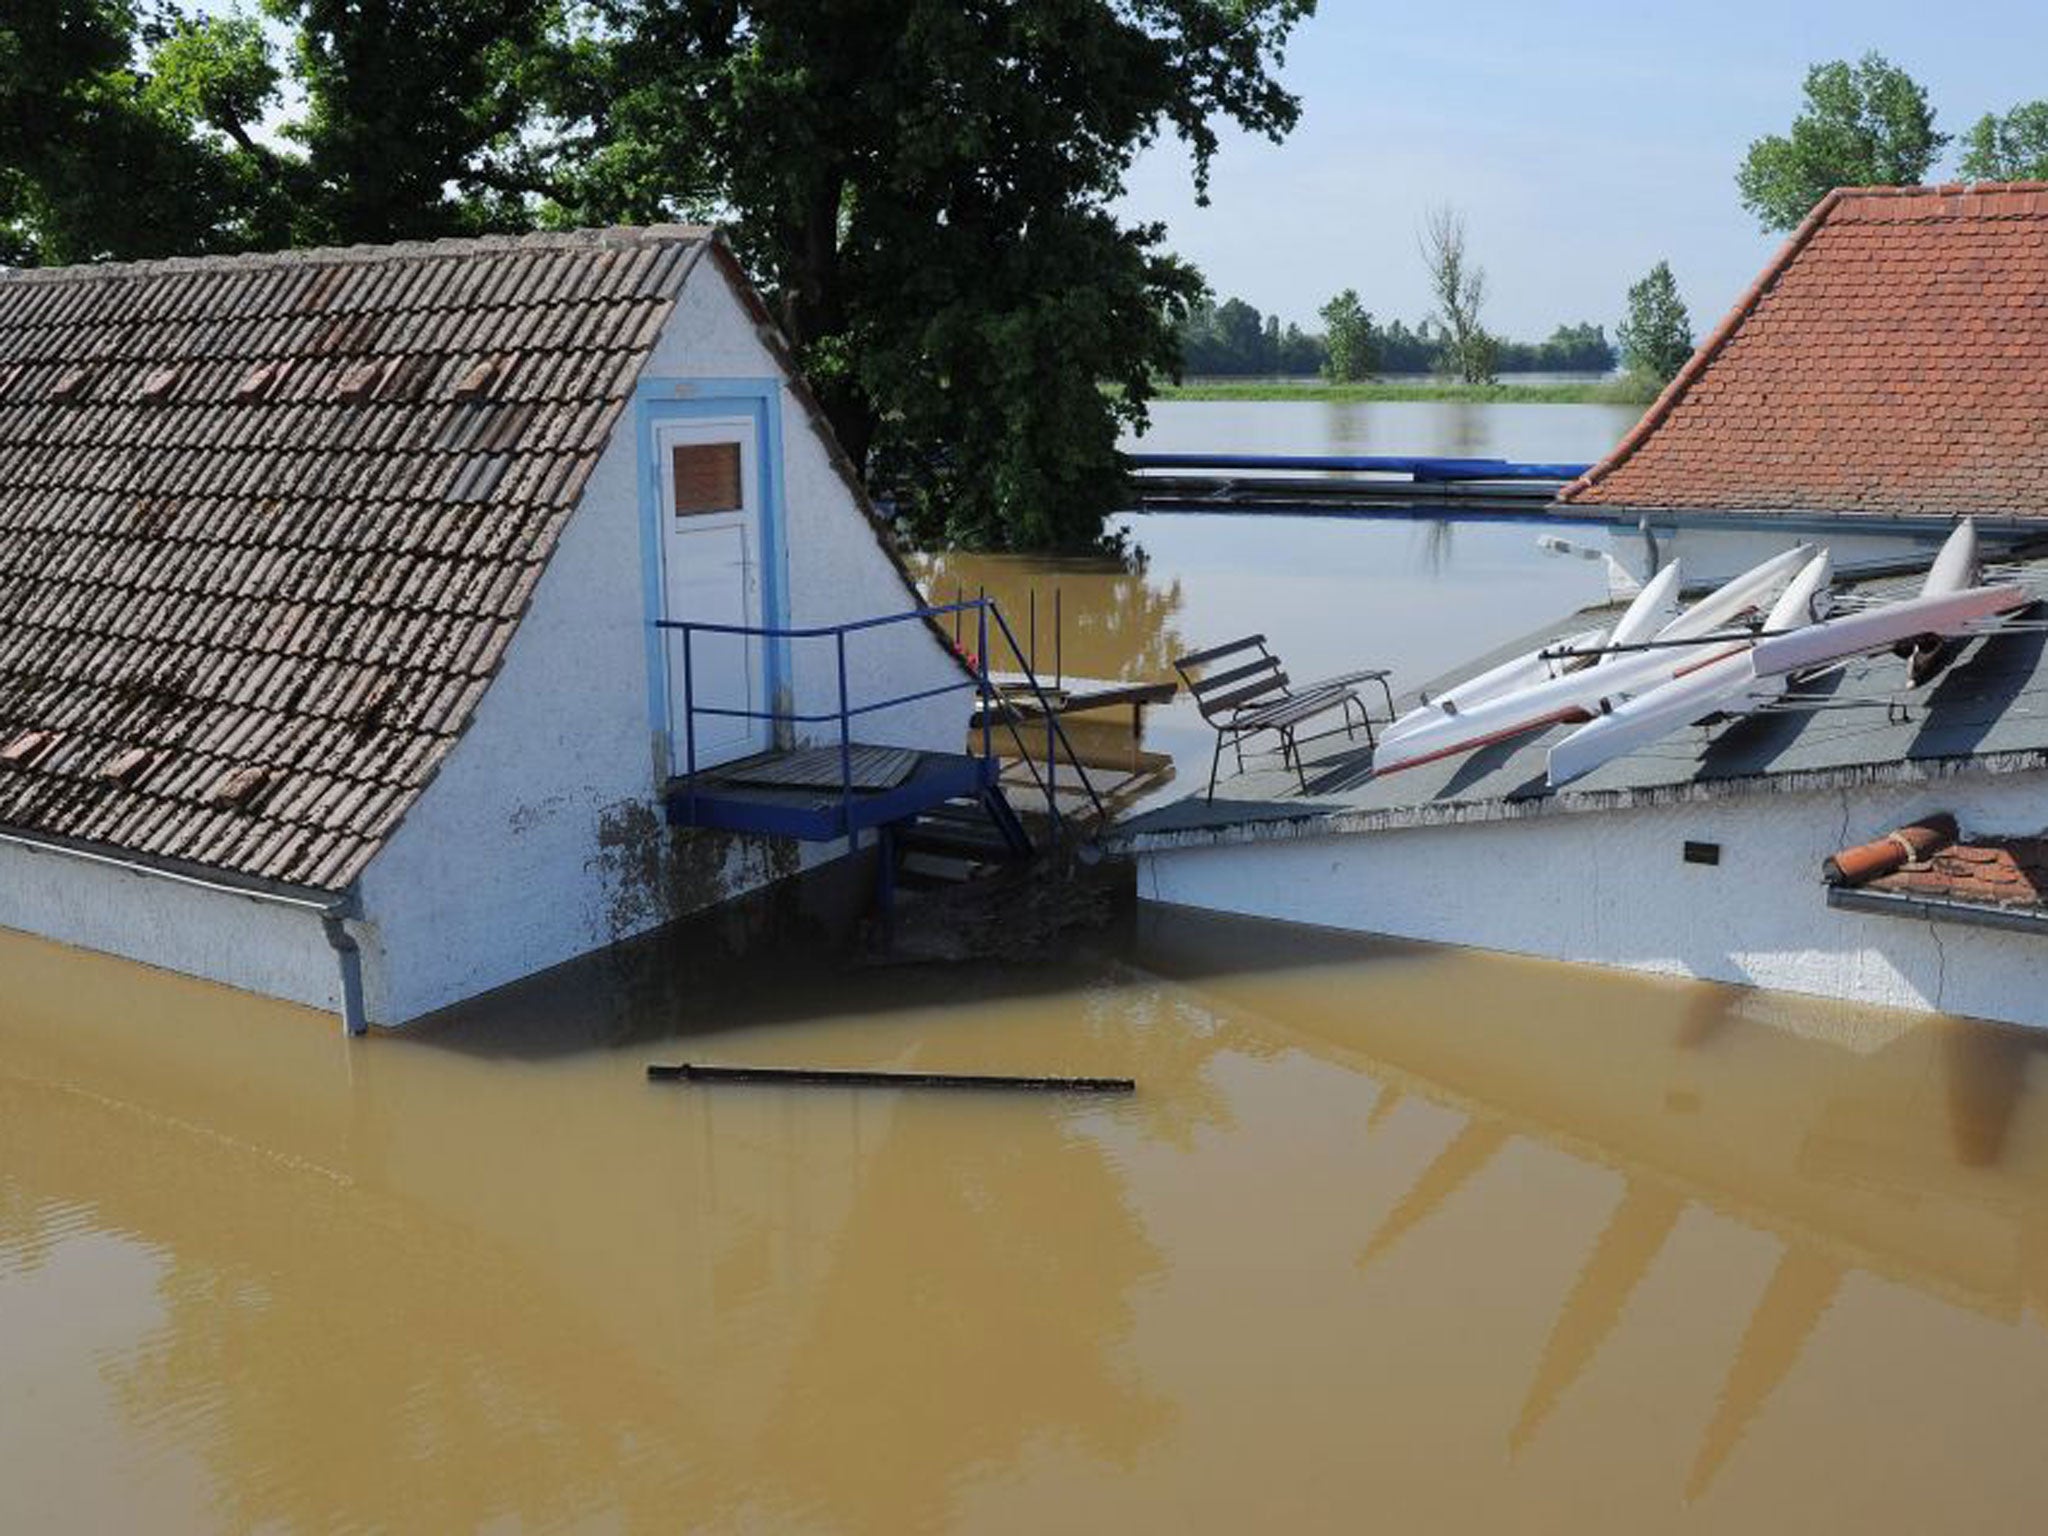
column 1611, row 888
column 542, row 837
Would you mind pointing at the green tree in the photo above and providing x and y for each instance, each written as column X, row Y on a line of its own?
column 1300, row 353
column 117, row 140
column 421, row 116
column 1348, row 338
column 1241, row 332
column 1656, row 336
column 924, row 190
column 2009, row 148
column 1471, row 352
column 1865, row 124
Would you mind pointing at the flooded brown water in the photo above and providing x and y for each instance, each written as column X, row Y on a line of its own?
column 1390, row 1238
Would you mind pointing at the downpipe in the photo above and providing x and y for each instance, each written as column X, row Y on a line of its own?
column 349, row 955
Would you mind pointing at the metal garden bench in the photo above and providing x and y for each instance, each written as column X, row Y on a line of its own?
column 1255, row 696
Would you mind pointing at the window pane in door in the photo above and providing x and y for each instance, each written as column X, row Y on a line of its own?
column 707, row 477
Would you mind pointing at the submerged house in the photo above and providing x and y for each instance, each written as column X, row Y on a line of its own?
column 1887, row 375
column 332, row 593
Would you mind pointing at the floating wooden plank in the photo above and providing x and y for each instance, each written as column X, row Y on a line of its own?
column 821, row 768
column 809, row 1077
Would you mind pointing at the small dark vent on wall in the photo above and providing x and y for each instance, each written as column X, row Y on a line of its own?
column 707, row 478
column 1702, row 853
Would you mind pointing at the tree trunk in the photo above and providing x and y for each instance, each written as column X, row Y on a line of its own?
column 813, row 310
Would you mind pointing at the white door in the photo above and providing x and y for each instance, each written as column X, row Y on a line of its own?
column 711, row 574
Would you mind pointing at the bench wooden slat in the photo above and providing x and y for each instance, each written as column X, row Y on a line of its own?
column 1218, row 680
column 1223, row 704
column 1201, row 658
column 1293, row 711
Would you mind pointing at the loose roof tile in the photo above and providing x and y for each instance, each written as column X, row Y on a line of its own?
column 267, row 525
column 1893, row 360
column 2000, row 872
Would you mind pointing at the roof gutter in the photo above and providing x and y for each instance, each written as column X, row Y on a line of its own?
column 1939, row 909
column 2021, row 527
column 332, row 908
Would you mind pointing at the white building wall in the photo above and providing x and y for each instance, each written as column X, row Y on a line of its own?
column 255, row 945
column 1611, row 888
column 542, row 838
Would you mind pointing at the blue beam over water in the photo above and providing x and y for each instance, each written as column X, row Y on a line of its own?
column 1414, row 468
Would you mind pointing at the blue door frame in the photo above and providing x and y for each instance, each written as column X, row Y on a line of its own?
column 656, row 401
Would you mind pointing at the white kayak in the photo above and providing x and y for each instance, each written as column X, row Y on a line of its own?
column 1645, row 615
column 1511, row 676
column 1943, row 614
column 1651, row 613
column 1746, row 594
column 1956, row 569
column 1726, row 685
column 1577, row 695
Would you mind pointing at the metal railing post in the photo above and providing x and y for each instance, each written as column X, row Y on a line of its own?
column 1052, row 768
column 689, row 725
column 845, row 753
column 988, row 724
column 1059, row 640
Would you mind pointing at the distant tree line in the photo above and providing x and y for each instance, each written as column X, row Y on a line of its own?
column 1234, row 340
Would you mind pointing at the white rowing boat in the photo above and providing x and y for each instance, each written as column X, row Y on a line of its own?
column 1651, row 613
column 1576, row 696
column 1650, row 610
column 1746, row 594
column 1725, row 685
column 1943, row 615
column 1956, row 569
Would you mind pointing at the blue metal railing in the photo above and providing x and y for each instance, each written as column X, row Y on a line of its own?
column 978, row 679
column 1419, row 469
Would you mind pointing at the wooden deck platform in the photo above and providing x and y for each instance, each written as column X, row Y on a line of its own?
column 778, row 792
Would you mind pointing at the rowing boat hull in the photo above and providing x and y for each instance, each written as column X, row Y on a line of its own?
column 1524, row 671
column 1877, row 629
column 1727, row 685
column 1578, row 696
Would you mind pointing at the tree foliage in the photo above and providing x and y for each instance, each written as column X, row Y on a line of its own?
column 1471, row 352
column 415, row 113
column 115, row 136
column 922, row 189
column 1656, row 335
column 1866, row 124
column 1233, row 340
column 2009, row 148
column 1347, row 339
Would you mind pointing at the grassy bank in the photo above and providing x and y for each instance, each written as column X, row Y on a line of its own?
column 1601, row 392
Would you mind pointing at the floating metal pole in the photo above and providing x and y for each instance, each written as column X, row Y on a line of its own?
column 811, row 1077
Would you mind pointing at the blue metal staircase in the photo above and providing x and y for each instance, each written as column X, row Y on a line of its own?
column 945, row 801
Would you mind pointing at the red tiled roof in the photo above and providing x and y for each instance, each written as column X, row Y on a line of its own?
column 2000, row 872
column 268, row 523
column 1893, row 359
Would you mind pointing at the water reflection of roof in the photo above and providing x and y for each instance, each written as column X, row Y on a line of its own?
column 1854, row 726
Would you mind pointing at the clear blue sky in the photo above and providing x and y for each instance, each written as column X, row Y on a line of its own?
column 1583, row 139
